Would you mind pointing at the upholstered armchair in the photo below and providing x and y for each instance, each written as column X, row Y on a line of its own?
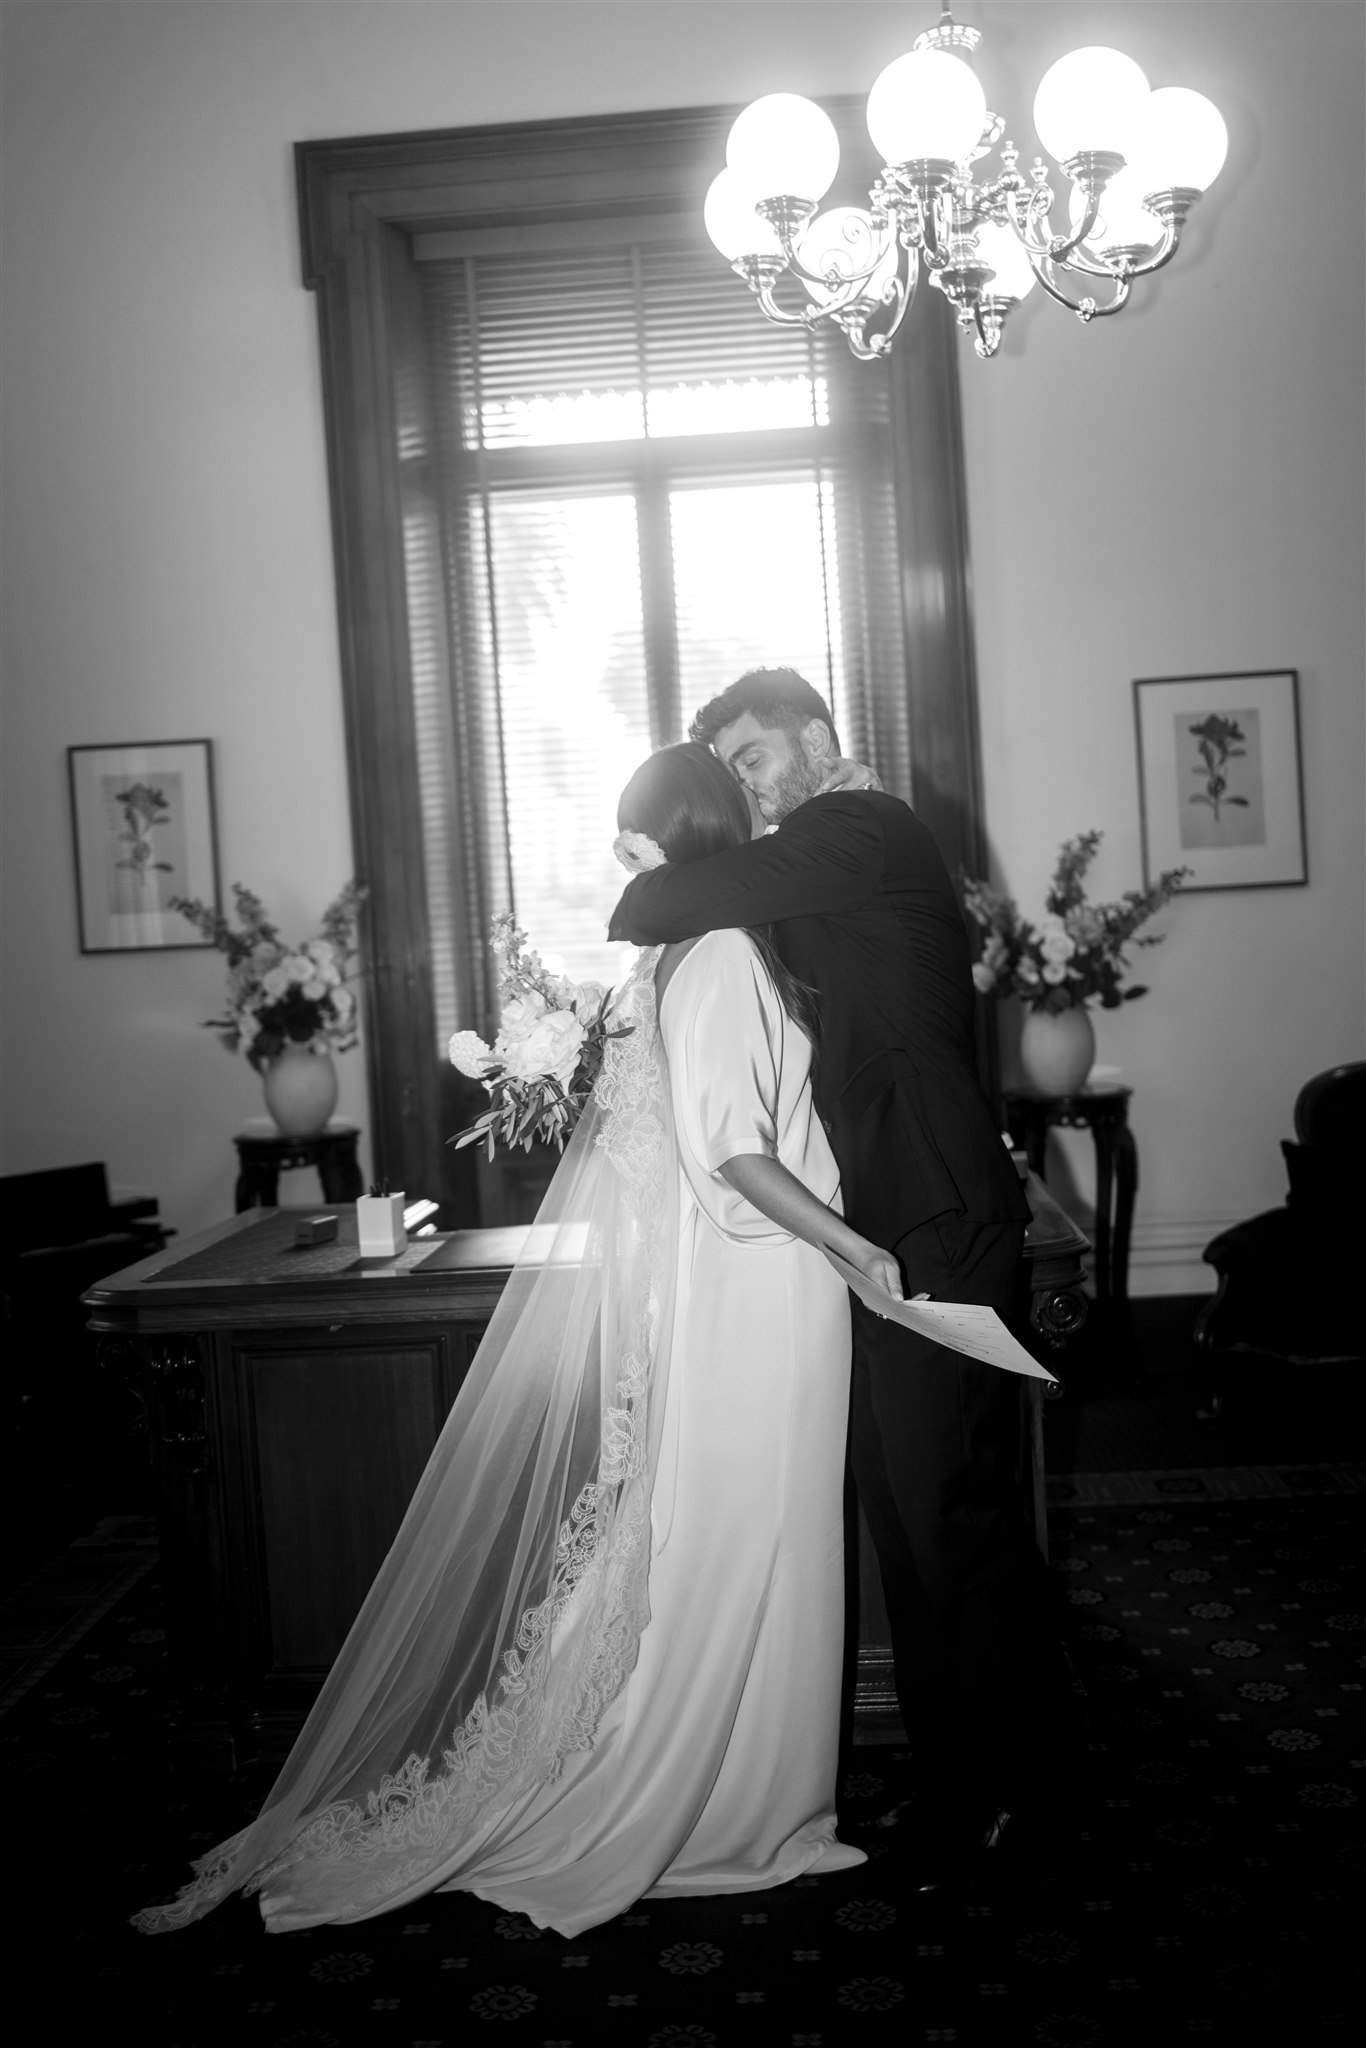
column 1291, row 1285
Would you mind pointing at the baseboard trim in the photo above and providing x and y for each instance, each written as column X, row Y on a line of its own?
column 1199, row 1483
column 1166, row 1253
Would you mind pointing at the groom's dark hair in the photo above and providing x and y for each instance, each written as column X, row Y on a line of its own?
column 775, row 696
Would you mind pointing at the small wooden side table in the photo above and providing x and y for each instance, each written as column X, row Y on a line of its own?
column 1104, row 1111
column 264, row 1154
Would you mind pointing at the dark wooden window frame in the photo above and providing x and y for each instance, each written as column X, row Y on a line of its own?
column 363, row 202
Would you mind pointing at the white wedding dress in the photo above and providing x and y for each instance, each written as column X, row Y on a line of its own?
column 602, row 1657
column 714, row 1769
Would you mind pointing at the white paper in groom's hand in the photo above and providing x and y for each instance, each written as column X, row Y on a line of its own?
column 958, row 1325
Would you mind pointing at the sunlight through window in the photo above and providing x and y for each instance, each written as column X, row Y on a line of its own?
column 754, row 585
column 571, row 667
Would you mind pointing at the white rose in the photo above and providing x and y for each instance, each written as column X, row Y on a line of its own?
column 1055, row 942
column 521, row 1011
column 298, row 967
column 276, row 982
column 551, row 1046
column 465, row 1050
column 1054, row 973
column 322, row 951
column 314, row 988
column 583, row 997
column 983, row 979
column 343, row 1002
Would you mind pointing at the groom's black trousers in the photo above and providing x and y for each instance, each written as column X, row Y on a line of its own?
column 938, row 1445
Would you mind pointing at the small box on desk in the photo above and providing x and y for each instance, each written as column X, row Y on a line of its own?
column 315, row 1230
column 379, row 1226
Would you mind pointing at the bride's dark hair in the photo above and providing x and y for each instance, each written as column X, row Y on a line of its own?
column 691, row 806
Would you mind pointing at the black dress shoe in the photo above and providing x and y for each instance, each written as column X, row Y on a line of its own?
column 940, row 1848
column 1031, row 1848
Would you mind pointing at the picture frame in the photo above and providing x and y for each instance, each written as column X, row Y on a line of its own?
column 1220, row 780
column 144, row 830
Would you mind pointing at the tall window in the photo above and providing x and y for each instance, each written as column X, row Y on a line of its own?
column 578, row 486
column 636, row 489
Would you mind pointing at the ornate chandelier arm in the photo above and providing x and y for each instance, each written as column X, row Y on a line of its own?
column 1090, row 170
column 1086, row 309
column 1027, row 217
column 851, row 310
column 869, row 349
column 1171, row 208
column 832, row 279
column 761, row 273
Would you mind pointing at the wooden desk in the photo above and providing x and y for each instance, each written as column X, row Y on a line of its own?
column 292, row 1399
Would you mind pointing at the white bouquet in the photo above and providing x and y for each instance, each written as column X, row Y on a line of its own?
column 540, row 1070
column 280, row 994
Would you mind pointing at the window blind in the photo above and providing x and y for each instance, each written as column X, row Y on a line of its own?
column 642, row 489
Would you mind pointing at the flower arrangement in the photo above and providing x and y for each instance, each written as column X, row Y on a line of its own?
column 540, row 1070
column 1076, row 950
column 280, row 994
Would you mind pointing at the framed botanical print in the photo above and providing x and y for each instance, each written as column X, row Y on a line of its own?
column 1220, row 787
column 143, row 823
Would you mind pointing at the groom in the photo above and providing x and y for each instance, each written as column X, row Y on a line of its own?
column 864, row 912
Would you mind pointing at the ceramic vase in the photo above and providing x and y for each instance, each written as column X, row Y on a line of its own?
column 301, row 1090
column 1057, row 1048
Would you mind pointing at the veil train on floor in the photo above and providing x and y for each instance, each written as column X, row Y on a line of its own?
column 462, row 1685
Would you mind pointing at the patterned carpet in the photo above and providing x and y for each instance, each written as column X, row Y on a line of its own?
column 1223, row 1645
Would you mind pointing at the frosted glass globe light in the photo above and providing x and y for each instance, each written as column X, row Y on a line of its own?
column 784, row 145
column 999, row 248
column 1181, row 140
column 1123, row 221
column 926, row 104
column 1090, row 100
column 845, row 239
column 728, row 216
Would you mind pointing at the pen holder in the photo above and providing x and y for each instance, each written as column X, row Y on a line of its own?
column 379, row 1226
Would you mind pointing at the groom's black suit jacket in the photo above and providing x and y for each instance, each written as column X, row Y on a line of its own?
column 865, row 913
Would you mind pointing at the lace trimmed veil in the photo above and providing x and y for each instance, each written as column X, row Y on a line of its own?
column 509, row 1610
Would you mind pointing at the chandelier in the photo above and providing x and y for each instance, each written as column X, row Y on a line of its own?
column 1136, row 161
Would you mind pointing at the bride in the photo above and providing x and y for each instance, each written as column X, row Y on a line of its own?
column 602, row 1658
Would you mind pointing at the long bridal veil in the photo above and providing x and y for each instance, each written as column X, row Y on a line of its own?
column 508, row 1612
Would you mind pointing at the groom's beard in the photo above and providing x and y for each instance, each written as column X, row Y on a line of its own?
column 792, row 786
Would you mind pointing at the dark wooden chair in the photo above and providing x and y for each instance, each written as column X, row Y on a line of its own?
column 64, row 1423
column 1290, row 1288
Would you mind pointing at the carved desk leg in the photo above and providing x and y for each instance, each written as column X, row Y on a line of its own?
column 1058, row 1313
column 1126, row 1188
column 191, row 1551
column 1104, row 1136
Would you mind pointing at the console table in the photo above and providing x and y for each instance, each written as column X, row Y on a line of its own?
column 292, row 1397
column 1104, row 1111
column 264, row 1153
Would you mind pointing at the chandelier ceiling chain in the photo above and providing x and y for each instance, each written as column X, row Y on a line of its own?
column 1137, row 160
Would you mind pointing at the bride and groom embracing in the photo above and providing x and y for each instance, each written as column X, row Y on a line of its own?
column 602, row 1659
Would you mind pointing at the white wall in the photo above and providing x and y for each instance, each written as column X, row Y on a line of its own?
column 1179, row 490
